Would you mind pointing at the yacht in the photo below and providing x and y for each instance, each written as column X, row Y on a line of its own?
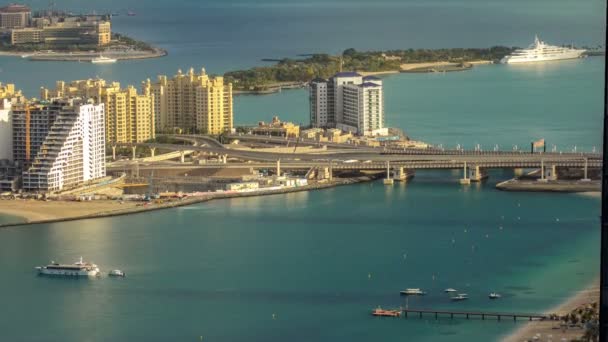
column 459, row 297
column 117, row 273
column 78, row 269
column 412, row 292
column 450, row 290
column 539, row 51
column 102, row 60
column 494, row 295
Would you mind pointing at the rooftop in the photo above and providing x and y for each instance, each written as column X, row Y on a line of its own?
column 371, row 78
column 369, row 85
column 347, row 74
column 14, row 8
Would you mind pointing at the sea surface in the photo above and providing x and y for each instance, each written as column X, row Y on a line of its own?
column 310, row 266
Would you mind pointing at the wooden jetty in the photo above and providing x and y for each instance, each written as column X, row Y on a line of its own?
column 471, row 314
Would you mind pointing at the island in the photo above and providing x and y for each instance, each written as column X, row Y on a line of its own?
column 58, row 35
column 292, row 73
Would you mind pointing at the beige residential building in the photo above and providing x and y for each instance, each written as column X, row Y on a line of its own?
column 129, row 115
column 192, row 102
column 65, row 33
column 14, row 16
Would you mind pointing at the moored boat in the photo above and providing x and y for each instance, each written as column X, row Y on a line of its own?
column 494, row 295
column 459, row 297
column 539, row 51
column 117, row 273
column 386, row 313
column 412, row 292
column 450, row 290
column 103, row 60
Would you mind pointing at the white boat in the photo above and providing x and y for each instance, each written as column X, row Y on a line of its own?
column 494, row 295
column 450, row 290
column 460, row 296
column 102, row 60
column 117, row 273
column 412, row 292
column 78, row 269
column 539, row 51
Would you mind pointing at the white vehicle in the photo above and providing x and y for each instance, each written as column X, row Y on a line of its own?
column 78, row 269
column 539, row 51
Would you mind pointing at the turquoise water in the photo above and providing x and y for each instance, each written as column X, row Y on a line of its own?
column 320, row 261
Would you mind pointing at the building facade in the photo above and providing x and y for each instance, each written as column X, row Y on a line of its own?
column 129, row 116
column 6, row 130
column 73, row 151
column 14, row 16
column 64, row 33
column 192, row 102
column 350, row 102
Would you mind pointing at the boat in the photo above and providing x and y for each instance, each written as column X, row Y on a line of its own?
column 131, row 14
column 539, row 51
column 494, row 295
column 459, row 297
column 102, row 60
column 386, row 313
column 117, row 273
column 450, row 290
column 412, row 292
column 78, row 269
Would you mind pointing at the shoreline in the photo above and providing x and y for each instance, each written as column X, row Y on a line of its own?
column 40, row 218
column 527, row 332
column 84, row 56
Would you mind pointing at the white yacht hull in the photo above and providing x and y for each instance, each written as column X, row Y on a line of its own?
column 532, row 59
column 69, row 273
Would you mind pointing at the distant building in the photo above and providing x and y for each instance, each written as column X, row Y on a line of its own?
column 277, row 128
column 192, row 102
column 129, row 116
column 14, row 16
column 73, row 151
column 6, row 130
column 64, row 33
column 350, row 102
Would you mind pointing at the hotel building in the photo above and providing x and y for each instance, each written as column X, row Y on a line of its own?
column 94, row 32
column 14, row 16
column 73, row 151
column 192, row 102
column 129, row 116
column 350, row 102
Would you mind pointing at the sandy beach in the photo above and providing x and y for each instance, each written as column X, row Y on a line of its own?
column 34, row 211
column 550, row 330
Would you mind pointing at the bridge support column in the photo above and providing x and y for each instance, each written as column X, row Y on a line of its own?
column 401, row 174
column 466, row 180
column 182, row 157
column 388, row 180
column 152, row 151
column 547, row 173
column 477, row 174
column 224, row 158
column 324, row 173
column 113, row 152
column 278, row 167
column 133, row 150
column 586, row 169
column 330, row 171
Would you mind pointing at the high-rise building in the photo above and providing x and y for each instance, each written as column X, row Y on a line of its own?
column 8, row 96
column 14, row 16
column 73, row 151
column 192, row 102
column 350, row 102
column 31, row 123
column 129, row 115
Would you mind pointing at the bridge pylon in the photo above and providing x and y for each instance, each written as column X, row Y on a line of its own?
column 402, row 174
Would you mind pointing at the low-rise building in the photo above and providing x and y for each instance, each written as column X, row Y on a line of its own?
column 242, row 186
column 64, row 33
column 277, row 128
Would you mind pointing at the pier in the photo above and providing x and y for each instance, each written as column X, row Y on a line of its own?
column 472, row 314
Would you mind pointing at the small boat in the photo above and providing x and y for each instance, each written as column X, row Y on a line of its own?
column 450, row 290
column 386, row 313
column 494, row 295
column 412, row 292
column 102, row 60
column 459, row 297
column 117, row 273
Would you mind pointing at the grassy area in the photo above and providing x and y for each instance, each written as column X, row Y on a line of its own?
column 323, row 65
column 119, row 41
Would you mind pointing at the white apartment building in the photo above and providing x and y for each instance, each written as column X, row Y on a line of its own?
column 350, row 102
column 73, row 151
column 6, row 130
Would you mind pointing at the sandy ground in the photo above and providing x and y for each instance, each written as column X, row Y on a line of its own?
column 410, row 66
column 549, row 330
column 33, row 210
column 377, row 73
